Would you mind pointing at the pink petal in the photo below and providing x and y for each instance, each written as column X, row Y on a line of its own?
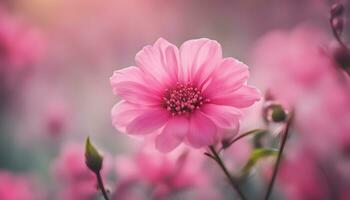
column 148, row 122
column 228, row 133
column 223, row 116
column 227, row 118
column 241, row 98
column 123, row 113
column 172, row 134
column 171, row 62
column 137, row 93
column 159, row 60
column 134, row 74
column 227, row 77
column 135, row 86
column 199, row 59
column 202, row 131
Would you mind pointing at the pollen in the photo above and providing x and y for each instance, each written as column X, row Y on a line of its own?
column 183, row 99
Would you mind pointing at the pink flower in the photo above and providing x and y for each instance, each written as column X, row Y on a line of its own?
column 70, row 169
column 301, row 65
column 188, row 95
column 56, row 118
column 321, row 132
column 16, row 187
column 20, row 48
column 302, row 178
column 302, row 76
column 164, row 175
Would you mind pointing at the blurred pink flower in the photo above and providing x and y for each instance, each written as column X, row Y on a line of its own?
column 163, row 175
column 301, row 177
column 303, row 76
column 16, row 187
column 189, row 94
column 20, row 48
column 70, row 169
column 292, row 59
column 56, row 118
column 316, row 119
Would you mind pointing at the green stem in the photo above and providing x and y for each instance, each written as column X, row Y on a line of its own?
column 101, row 185
column 279, row 157
column 240, row 137
column 233, row 183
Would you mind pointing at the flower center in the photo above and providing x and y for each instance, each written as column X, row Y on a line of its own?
column 183, row 99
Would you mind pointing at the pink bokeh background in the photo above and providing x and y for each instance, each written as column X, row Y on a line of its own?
column 56, row 58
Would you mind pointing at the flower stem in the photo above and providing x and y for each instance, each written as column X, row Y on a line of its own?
column 240, row 137
column 233, row 183
column 285, row 133
column 101, row 185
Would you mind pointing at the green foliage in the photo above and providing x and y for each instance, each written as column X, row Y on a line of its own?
column 257, row 155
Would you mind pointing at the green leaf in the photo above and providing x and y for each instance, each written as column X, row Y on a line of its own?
column 93, row 158
column 258, row 139
column 256, row 155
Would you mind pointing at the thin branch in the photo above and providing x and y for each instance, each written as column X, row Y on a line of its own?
column 240, row 137
column 209, row 155
column 221, row 164
column 101, row 185
column 279, row 156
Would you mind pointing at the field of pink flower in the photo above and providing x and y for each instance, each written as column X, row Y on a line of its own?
column 174, row 100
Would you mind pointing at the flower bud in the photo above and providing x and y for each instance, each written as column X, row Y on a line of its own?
column 337, row 10
column 278, row 114
column 93, row 159
column 274, row 112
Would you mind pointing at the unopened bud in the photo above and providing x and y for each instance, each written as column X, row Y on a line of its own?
column 337, row 10
column 278, row 114
column 93, row 158
column 274, row 112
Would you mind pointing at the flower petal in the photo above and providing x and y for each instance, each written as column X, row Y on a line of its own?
column 223, row 116
column 160, row 61
column 199, row 59
column 148, row 122
column 227, row 118
column 137, row 93
column 202, row 131
column 241, row 98
column 230, row 75
column 135, row 86
column 123, row 112
column 172, row 134
column 171, row 62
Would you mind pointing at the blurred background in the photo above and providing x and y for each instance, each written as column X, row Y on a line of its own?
column 56, row 57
